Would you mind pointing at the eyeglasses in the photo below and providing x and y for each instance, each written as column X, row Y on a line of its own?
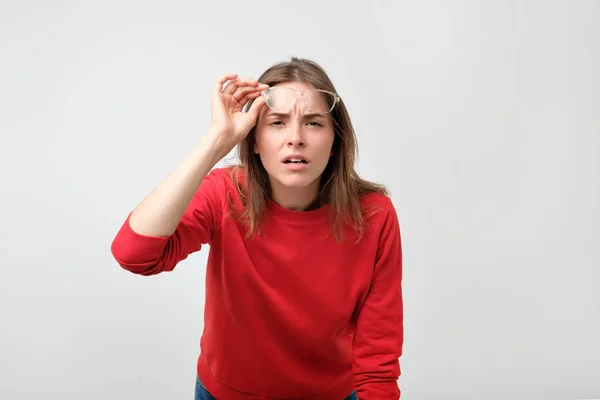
column 281, row 98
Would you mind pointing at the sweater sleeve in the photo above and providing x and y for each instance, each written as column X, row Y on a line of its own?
column 380, row 331
column 151, row 255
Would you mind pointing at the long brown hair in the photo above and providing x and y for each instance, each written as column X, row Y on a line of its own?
column 340, row 185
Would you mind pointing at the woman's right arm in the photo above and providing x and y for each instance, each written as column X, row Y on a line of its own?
column 174, row 219
column 160, row 212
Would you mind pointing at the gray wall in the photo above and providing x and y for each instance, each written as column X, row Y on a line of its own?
column 481, row 117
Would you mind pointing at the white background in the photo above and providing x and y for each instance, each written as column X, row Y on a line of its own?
column 482, row 117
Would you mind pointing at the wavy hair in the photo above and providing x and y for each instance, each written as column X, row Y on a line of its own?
column 340, row 185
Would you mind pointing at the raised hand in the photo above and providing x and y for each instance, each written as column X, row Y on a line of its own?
column 227, row 103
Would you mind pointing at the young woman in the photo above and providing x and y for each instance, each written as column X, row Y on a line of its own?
column 303, row 282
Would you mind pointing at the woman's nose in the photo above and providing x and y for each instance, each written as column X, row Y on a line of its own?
column 296, row 138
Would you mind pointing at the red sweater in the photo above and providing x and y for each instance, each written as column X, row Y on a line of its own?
column 291, row 314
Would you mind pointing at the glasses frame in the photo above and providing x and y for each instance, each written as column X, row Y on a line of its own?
column 301, row 93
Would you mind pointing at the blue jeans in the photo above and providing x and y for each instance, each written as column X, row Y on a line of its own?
column 203, row 394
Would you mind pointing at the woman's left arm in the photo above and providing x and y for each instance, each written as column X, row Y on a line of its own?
column 380, row 329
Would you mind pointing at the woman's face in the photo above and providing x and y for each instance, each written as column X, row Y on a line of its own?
column 295, row 144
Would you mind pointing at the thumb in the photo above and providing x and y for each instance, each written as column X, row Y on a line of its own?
column 255, row 108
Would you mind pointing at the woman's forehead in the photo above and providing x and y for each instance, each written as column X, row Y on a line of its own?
column 295, row 85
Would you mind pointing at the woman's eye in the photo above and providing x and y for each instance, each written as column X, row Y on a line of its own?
column 280, row 123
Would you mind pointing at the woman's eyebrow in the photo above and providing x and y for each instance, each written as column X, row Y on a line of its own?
column 277, row 115
column 314, row 115
column 287, row 115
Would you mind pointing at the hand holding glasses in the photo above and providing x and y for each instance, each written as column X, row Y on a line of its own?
column 230, row 95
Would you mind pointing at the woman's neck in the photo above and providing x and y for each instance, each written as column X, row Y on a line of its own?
column 296, row 198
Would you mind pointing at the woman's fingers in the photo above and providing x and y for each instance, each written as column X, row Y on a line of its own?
column 218, row 87
column 243, row 92
column 239, row 83
column 250, row 95
column 255, row 108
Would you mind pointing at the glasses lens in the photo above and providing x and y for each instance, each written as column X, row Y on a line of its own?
column 280, row 98
column 319, row 101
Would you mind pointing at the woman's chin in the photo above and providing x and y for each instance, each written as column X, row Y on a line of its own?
column 296, row 181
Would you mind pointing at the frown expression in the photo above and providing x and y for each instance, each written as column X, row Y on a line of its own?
column 294, row 145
